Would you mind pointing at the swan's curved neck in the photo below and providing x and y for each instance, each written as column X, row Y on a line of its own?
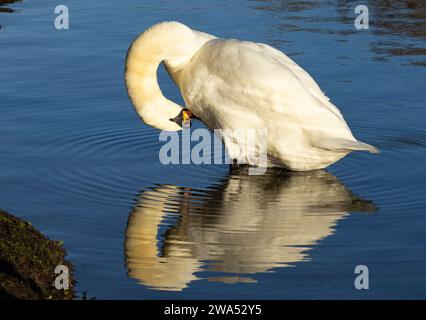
column 171, row 42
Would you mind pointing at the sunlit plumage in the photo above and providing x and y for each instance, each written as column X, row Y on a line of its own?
column 232, row 84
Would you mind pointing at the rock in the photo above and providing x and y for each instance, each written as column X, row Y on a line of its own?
column 27, row 262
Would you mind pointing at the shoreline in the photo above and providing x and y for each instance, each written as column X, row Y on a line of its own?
column 27, row 262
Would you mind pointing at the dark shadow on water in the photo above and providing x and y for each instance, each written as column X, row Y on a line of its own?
column 235, row 229
column 4, row 6
column 405, row 19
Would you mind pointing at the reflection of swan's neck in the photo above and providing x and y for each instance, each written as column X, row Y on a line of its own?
column 172, row 43
column 142, row 256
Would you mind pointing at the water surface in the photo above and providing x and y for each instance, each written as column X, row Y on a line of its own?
column 78, row 163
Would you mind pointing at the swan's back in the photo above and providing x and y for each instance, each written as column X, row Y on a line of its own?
column 256, row 80
column 303, row 76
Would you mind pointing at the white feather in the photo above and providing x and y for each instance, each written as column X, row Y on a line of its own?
column 232, row 84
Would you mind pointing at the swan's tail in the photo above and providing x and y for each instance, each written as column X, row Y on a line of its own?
column 359, row 146
column 339, row 144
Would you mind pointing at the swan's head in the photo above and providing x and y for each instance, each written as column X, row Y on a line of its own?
column 160, row 113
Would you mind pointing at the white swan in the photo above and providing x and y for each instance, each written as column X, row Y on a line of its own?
column 232, row 84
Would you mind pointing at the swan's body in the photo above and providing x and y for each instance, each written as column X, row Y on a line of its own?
column 242, row 236
column 231, row 84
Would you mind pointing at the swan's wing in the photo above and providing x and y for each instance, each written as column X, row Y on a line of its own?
column 310, row 83
column 250, row 78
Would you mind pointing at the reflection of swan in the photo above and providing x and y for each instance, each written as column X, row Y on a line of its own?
column 233, row 85
column 248, row 224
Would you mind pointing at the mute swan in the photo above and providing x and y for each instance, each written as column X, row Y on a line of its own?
column 232, row 84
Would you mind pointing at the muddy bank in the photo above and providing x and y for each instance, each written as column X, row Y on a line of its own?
column 27, row 262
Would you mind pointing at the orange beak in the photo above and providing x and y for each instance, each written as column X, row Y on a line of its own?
column 186, row 115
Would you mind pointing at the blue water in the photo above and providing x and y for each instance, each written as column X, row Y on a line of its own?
column 77, row 163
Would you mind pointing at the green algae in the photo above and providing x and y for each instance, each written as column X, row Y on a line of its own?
column 27, row 262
